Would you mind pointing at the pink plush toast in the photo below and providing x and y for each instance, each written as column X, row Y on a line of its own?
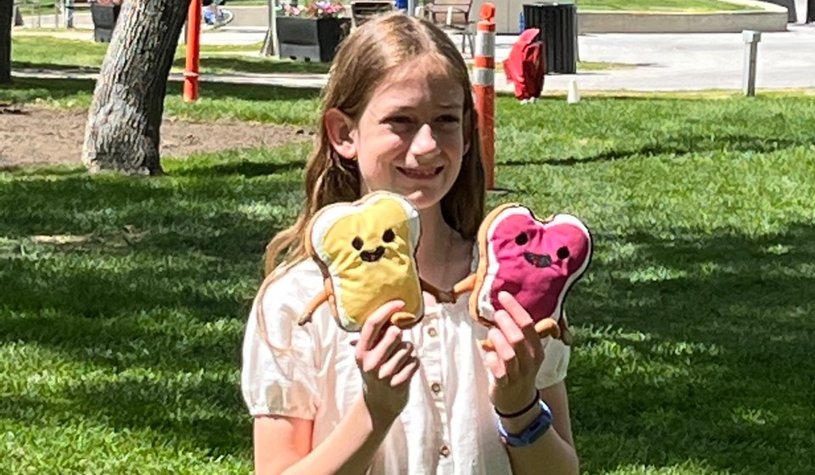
column 535, row 261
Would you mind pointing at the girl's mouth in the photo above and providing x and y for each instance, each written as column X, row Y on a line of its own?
column 420, row 174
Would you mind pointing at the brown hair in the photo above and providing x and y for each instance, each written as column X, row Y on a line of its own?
column 363, row 59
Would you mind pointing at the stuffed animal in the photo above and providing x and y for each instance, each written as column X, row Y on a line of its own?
column 366, row 252
column 535, row 261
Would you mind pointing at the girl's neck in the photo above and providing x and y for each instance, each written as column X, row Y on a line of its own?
column 440, row 247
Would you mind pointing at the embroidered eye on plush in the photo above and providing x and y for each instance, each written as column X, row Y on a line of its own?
column 388, row 236
column 563, row 253
column 521, row 239
column 357, row 243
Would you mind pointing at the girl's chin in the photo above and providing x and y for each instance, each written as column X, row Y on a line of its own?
column 423, row 200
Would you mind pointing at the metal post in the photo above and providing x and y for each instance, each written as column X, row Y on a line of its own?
column 69, row 13
column 484, row 88
column 751, row 39
column 190, row 91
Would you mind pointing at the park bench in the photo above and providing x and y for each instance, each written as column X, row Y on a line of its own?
column 452, row 16
column 362, row 11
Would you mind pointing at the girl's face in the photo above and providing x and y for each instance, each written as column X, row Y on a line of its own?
column 410, row 137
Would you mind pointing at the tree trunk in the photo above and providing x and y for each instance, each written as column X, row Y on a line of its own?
column 810, row 18
column 6, row 20
column 124, row 120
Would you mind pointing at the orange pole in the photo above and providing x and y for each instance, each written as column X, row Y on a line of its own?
column 193, row 51
column 484, row 88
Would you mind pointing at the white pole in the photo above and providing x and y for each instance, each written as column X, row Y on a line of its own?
column 751, row 39
column 69, row 13
column 273, row 26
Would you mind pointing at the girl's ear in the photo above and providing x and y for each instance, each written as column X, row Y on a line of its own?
column 341, row 133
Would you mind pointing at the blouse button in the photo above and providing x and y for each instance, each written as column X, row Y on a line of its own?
column 444, row 451
column 435, row 387
column 432, row 332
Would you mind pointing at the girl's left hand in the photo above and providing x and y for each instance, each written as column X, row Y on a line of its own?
column 517, row 356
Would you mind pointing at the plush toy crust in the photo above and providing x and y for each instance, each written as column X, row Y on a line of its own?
column 401, row 319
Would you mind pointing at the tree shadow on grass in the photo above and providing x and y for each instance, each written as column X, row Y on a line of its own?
column 256, row 65
column 28, row 89
column 244, row 168
column 697, row 349
column 679, row 145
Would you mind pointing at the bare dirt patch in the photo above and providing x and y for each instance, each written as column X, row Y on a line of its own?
column 32, row 136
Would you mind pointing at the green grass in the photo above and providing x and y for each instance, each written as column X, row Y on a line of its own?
column 247, row 102
column 47, row 52
column 693, row 6
column 120, row 352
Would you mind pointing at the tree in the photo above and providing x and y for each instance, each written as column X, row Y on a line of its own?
column 124, row 120
column 6, row 20
column 810, row 11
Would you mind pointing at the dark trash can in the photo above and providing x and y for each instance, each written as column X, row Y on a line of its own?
column 104, row 20
column 558, row 25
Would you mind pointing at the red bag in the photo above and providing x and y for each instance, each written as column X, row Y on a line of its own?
column 526, row 65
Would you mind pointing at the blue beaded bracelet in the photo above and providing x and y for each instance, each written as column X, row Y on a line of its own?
column 532, row 432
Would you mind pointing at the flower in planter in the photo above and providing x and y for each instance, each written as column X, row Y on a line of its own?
column 319, row 9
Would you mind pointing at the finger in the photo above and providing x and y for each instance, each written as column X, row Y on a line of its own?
column 396, row 361
column 406, row 373
column 496, row 367
column 511, row 331
column 372, row 328
column 504, row 351
column 521, row 318
column 517, row 312
column 383, row 349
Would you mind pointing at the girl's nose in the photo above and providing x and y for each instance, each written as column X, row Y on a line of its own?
column 424, row 142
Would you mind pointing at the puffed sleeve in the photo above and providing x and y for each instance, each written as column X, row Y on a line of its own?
column 556, row 355
column 279, row 372
column 555, row 364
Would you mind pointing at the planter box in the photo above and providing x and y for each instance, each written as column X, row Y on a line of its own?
column 311, row 39
column 104, row 21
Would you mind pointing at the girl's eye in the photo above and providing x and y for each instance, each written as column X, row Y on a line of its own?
column 388, row 236
column 450, row 119
column 357, row 243
column 398, row 119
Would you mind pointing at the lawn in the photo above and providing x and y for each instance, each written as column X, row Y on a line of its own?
column 37, row 50
column 124, row 300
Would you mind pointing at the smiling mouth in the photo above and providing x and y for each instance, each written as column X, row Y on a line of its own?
column 420, row 174
column 372, row 256
column 538, row 260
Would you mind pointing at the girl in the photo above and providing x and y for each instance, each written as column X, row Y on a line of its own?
column 398, row 114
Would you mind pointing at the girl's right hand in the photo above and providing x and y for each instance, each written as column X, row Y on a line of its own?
column 387, row 364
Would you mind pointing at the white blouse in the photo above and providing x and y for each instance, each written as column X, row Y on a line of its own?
column 309, row 372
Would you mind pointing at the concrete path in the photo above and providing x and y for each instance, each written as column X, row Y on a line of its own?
column 653, row 62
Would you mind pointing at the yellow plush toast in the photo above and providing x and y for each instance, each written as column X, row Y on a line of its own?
column 366, row 252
